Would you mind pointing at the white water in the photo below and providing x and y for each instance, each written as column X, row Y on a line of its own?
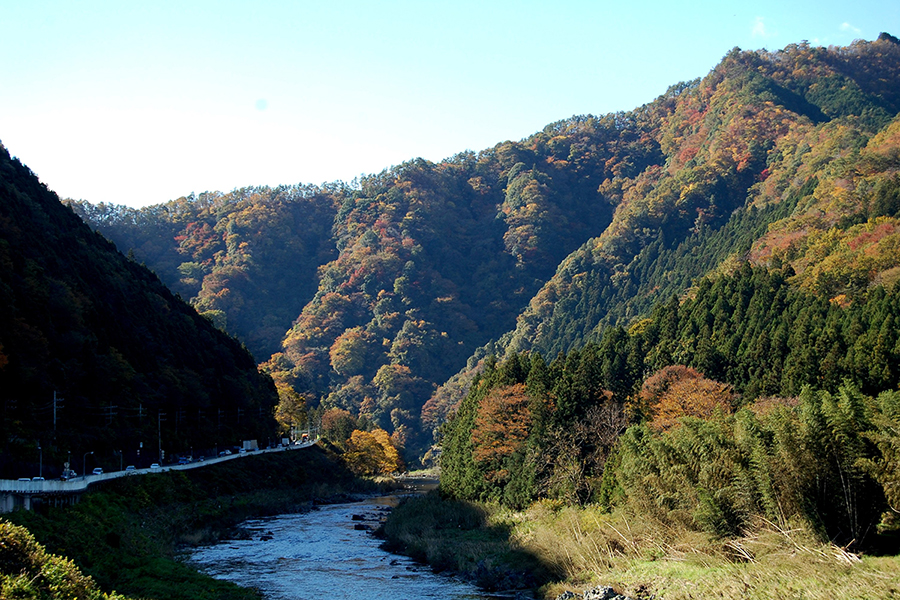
column 319, row 555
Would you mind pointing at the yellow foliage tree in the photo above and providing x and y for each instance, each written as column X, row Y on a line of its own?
column 291, row 410
column 372, row 453
column 349, row 352
column 392, row 463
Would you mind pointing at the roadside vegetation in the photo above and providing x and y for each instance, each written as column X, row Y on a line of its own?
column 29, row 572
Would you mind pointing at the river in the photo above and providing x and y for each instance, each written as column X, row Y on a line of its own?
column 323, row 554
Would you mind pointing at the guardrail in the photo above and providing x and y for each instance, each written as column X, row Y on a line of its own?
column 10, row 488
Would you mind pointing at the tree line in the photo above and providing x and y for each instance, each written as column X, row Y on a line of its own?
column 750, row 397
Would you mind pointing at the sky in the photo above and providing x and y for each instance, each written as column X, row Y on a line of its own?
column 138, row 103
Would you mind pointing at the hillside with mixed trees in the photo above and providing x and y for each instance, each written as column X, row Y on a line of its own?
column 790, row 391
column 368, row 296
column 97, row 355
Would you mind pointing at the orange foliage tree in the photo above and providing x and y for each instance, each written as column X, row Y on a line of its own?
column 337, row 425
column 692, row 397
column 501, row 428
column 657, row 385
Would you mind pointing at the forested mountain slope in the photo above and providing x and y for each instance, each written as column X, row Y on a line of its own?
column 248, row 259
column 762, row 158
column 773, row 157
column 427, row 263
column 785, row 157
column 129, row 362
column 738, row 339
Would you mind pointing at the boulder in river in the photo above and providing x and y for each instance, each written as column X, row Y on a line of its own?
column 601, row 592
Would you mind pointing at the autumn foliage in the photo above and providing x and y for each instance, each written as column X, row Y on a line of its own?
column 366, row 452
column 501, row 428
column 693, row 397
column 372, row 453
column 678, row 391
column 785, row 158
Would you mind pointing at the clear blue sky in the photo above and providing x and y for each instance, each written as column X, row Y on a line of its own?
column 141, row 102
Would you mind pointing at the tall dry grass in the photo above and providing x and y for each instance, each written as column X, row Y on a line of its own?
column 576, row 548
column 642, row 557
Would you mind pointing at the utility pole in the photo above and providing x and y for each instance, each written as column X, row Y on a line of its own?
column 179, row 417
column 110, row 413
column 56, row 405
column 159, row 429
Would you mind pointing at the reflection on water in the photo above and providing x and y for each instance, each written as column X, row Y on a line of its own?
column 321, row 554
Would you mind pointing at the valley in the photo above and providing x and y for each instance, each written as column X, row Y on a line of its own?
column 644, row 348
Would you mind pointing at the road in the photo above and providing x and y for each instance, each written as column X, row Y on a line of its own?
column 10, row 488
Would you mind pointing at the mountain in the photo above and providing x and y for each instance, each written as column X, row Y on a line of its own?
column 763, row 157
column 98, row 356
column 427, row 262
column 248, row 259
column 367, row 296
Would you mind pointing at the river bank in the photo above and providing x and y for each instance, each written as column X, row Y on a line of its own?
column 460, row 538
column 127, row 535
column 562, row 551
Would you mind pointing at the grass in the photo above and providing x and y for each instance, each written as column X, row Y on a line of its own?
column 576, row 548
column 785, row 576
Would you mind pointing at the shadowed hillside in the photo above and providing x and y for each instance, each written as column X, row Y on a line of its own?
column 129, row 362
